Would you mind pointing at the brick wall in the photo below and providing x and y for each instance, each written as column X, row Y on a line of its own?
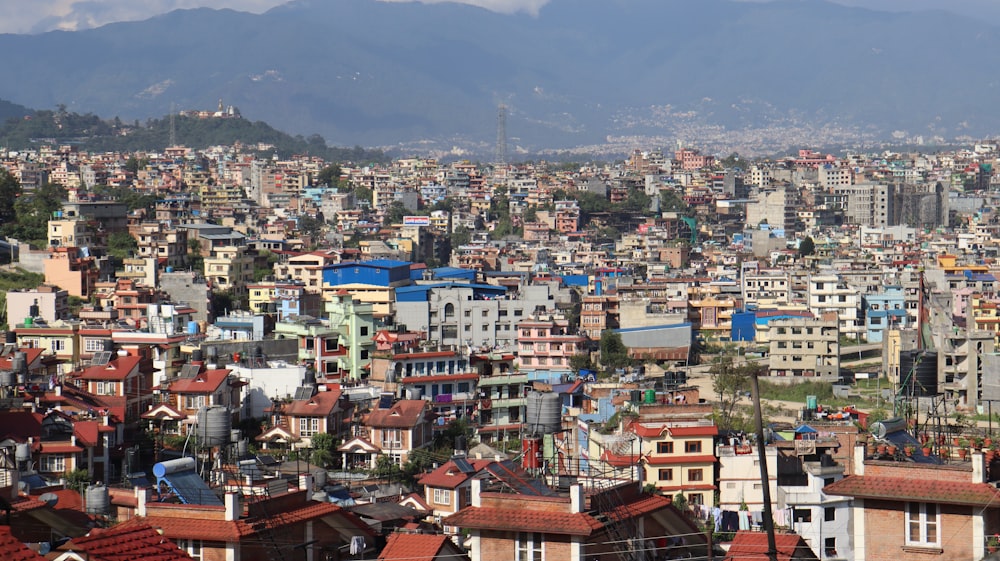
column 885, row 533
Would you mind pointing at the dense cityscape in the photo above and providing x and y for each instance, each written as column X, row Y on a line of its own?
column 224, row 354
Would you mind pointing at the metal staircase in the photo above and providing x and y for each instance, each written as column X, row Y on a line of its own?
column 608, row 503
column 255, row 499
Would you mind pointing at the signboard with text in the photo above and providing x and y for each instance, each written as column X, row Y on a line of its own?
column 416, row 221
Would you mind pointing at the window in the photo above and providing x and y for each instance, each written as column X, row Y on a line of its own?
column 696, row 498
column 666, row 474
column 830, row 547
column 391, row 438
column 692, row 447
column 308, row 426
column 192, row 547
column 194, row 401
column 922, row 527
column 442, row 496
column 829, row 514
column 695, row 475
column 107, row 388
column 52, row 463
column 93, row 345
column 58, row 345
column 802, row 515
column 529, row 546
column 664, row 447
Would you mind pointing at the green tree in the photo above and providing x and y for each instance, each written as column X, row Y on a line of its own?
column 33, row 212
column 323, row 448
column 581, row 362
column 731, row 382
column 121, row 245
column 78, row 479
column 460, row 236
column 363, row 196
column 614, row 353
column 385, row 468
column 329, row 176
column 807, row 247
column 395, row 213
column 637, row 201
column 10, row 190
column 310, row 226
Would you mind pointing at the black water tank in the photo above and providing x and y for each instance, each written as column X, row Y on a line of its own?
column 919, row 370
column 11, row 338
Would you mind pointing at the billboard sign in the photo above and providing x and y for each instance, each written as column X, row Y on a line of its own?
column 416, row 221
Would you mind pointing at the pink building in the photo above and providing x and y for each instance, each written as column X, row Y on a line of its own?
column 544, row 343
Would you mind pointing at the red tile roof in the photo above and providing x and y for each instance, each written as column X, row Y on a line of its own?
column 915, row 489
column 205, row 382
column 448, row 476
column 320, row 405
column 232, row 531
column 405, row 413
column 486, row 518
column 127, row 542
column 11, row 549
column 619, row 460
column 642, row 506
column 415, row 547
column 680, row 459
column 116, row 369
column 31, row 353
column 752, row 546
column 19, row 425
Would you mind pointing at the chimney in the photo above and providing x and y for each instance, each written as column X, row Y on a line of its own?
column 576, row 502
column 233, row 507
column 57, row 389
column 476, row 490
column 978, row 467
column 306, row 484
column 142, row 496
column 859, row 460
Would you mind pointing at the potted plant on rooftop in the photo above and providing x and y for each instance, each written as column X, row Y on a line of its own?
column 908, row 450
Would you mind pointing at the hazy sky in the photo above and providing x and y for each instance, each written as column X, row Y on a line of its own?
column 34, row 16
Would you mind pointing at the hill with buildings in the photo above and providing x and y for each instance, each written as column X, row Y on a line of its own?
column 195, row 129
column 580, row 73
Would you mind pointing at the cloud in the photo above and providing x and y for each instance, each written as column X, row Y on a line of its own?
column 37, row 16
column 501, row 6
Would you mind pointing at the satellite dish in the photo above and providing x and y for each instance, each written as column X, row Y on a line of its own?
column 49, row 498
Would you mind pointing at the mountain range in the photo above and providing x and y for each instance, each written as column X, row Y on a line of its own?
column 580, row 73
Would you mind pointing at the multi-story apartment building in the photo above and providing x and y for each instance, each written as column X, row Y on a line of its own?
column 461, row 314
column 828, row 292
column 230, row 267
column 545, row 345
column 804, row 347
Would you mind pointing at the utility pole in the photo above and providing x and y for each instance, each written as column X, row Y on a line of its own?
column 772, row 548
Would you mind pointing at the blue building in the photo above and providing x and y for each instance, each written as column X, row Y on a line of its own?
column 743, row 326
column 377, row 272
column 886, row 310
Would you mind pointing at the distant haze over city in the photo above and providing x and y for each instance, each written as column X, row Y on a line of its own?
column 578, row 75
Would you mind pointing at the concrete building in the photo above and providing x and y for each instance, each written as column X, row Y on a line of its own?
column 52, row 302
column 828, row 292
column 804, row 347
column 464, row 314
